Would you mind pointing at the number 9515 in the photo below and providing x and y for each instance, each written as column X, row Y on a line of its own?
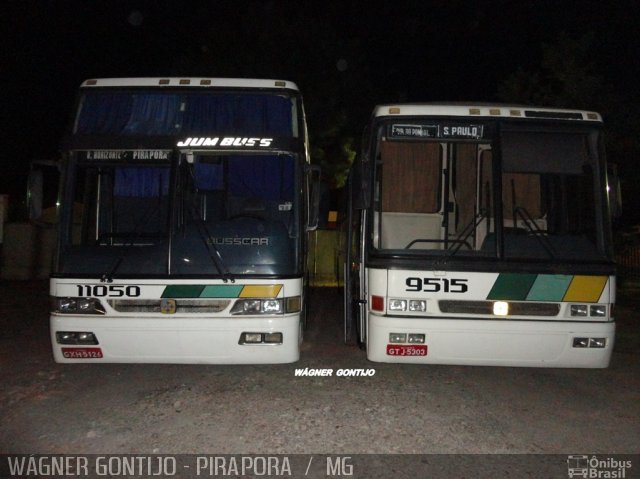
column 436, row 285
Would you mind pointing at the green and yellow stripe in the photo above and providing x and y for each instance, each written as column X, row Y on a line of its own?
column 547, row 287
column 222, row 291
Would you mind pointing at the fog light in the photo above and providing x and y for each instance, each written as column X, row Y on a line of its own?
column 75, row 337
column 579, row 310
column 597, row 342
column 397, row 305
column 598, row 310
column 416, row 338
column 397, row 337
column 501, row 308
column 65, row 337
column 250, row 338
column 273, row 338
column 417, row 305
column 87, row 338
column 580, row 342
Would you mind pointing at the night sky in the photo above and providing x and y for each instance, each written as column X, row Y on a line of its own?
column 345, row 57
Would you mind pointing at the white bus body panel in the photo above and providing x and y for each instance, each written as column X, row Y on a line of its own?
column 193, row 338
column 482, row 340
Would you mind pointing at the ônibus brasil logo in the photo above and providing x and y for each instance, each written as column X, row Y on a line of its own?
column 595, row 467
column 231, row 141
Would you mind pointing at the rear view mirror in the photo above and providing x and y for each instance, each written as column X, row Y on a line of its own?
column 614, row 192
column 313, row 196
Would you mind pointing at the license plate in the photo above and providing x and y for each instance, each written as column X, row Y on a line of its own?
column 406, row 350
column 82, row 353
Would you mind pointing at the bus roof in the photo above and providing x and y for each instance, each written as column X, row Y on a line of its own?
column 483, row 110
column 189, row 82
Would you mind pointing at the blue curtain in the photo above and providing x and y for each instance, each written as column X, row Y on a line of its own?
column 267, row 177
column 208, row 176
column 141, row 182
column 187, row 113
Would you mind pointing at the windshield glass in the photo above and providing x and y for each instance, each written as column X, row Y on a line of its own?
column 435, row 190
column 120, row 220
column 227, row 215
column 238, row 210
column 106, row 112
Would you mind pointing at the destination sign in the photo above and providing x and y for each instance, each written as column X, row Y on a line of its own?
column 453, row 131
column 414, row 131
column 127, row 155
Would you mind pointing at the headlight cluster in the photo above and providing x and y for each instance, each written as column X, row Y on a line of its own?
column 77, row 306
column 266, row 306
column 593, row 310
column 412, row 305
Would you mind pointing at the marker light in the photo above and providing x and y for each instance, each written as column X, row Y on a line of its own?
column 501, row 308
column 377, row 303
column 293, row 304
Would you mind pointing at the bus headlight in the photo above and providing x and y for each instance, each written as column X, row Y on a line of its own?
column 397, row 305
column 411, row 305
column 417, row 305
column 273, row 306
column 77, row 306
column 258, row 306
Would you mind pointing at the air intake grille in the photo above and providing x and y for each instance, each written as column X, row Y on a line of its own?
column 486, row 307
column 198, row 306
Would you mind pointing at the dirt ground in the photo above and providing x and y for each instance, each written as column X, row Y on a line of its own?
column 169, row 409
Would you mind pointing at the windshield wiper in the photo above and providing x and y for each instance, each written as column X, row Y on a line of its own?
column 212, row 249
column 207, row 237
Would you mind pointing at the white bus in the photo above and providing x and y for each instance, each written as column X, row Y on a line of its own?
column 480, row 235
column 185, row 205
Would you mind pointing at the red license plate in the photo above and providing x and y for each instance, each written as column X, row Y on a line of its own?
column 406, row 350
column 82, row 353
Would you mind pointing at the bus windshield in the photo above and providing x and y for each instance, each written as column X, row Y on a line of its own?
column 232, row 214
column 489, row 189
